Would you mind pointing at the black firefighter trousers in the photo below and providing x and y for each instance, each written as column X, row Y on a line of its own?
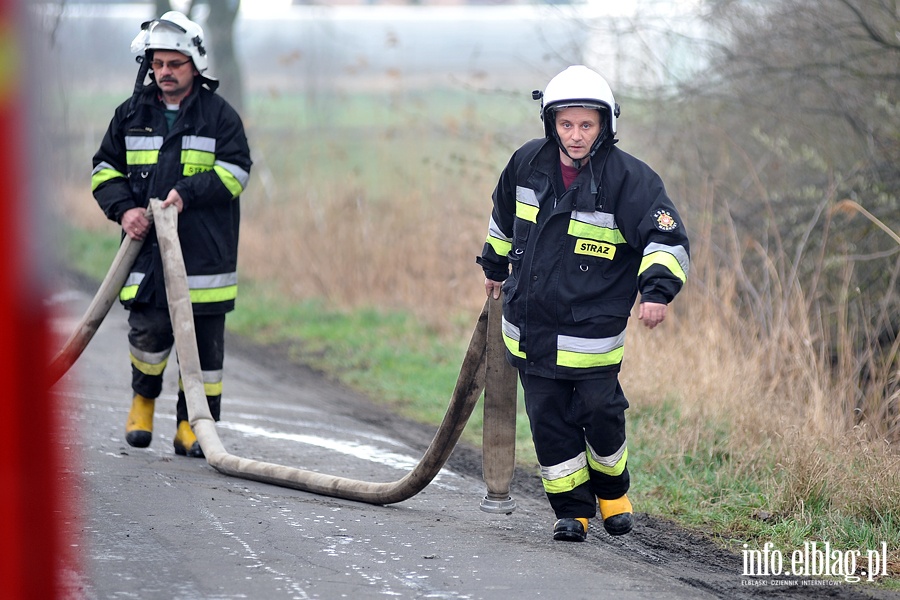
column 568, row 415
column 151, row 336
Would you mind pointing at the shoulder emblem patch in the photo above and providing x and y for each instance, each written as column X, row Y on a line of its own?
column 664, row 220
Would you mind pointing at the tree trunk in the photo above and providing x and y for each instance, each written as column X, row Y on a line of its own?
column 224, row 65
column 161, row 6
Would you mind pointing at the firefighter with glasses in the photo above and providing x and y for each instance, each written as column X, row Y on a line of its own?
column 578, row 229
column 177, row 140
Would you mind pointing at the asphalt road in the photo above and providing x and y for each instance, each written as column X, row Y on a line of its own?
column 147, row 524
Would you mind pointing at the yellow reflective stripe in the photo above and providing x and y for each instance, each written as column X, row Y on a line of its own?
column 582, row 360
column 231, row 182
column 148, row 368
column 511, row 337
column 201, row 296
column 614, row 470
column 101, row 177
column 526, row 212
column 501, row 247
column 567, row 483
column 666, row 260
column 527, row 204
column 601, row 234
column 198, row 157
column 210, row 389
column 130, row 287
column 142, row 157
column 212, row 382
column 513, row 346
column 128, row 292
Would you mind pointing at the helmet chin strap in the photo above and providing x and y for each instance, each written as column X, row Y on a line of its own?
column 144, row 66
column 578, row 163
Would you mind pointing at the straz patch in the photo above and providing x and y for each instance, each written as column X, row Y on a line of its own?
column 664, row 220
column 595, row 248
column 190, row 169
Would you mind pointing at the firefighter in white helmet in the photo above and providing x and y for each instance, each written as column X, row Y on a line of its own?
column 578, row 229
column 177, row 140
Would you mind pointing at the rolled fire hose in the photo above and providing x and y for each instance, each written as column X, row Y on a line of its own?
column 499, row 427
column 480, row 362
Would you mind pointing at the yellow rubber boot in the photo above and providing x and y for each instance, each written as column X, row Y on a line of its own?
column 186, row 443
column 617, row 515
column 570, row 529
column 139, row 427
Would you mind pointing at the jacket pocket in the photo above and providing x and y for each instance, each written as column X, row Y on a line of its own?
column 616, row 308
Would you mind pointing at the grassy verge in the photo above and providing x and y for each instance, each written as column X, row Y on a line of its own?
column 791, row 492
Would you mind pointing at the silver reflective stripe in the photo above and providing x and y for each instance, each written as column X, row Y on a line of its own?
column 212, row 376
column 151, row 358
column 198, row 142
column 134, row 278
column 240, row 174
column 564, row 469
column 205, row 282
column 143, row 142
column 569, row 343
column 608, row 461
column 678, row 252
column 495, row 232
column 526, row 196
column 101, row 167
column 509, row 330
column 598, row 219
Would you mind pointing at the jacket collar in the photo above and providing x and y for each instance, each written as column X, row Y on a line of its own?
column 546, row 161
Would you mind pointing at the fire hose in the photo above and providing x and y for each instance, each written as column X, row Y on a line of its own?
column 484, row 369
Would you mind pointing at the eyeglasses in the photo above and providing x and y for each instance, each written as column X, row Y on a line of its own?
column 172, row 64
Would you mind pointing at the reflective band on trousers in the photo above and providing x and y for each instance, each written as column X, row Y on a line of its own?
column 612, row 465
column 212, row 382
column 574, row 352
column 149, row 363
column 565, row 476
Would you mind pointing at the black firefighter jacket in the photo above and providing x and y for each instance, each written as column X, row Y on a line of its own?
column 579, row 257
column 206, row 158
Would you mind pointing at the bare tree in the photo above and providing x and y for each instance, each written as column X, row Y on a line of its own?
column 798, row 112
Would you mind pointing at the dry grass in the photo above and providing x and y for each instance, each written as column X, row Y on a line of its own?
column 414, row 254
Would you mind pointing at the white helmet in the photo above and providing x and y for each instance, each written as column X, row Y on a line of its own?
column 578, row 86
column 173, row 31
